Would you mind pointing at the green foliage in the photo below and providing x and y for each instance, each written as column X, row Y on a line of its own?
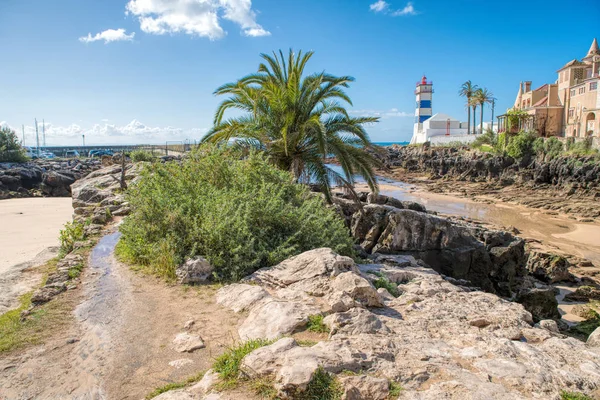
column 395, row 389
column 487, row 138
column 585, row 328
column 548, row 148
column 10, row 148
column 141, row 155
column 315, row 324
column 175, row 385
column 298, row 120
column 514, row 119
column 264, row 388
column 564, row 395
column 391, row 287
column 521, row 145
column 322, row 386
column 227, row 365
column 72, row 232
column 239, row 212
column 501, row 143
column 581, row 148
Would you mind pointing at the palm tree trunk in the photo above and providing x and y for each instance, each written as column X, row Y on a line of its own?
column 474, row 119
column 481, row 118
column 468, row 117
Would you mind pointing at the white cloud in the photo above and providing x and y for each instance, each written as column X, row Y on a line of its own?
column 379, row 6
column 195, row 17
column 409, row 9
column 134, row 132
column 382, row 6
column 391, row 113
column 109, row 35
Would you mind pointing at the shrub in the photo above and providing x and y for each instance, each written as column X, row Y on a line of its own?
column 548, row 148
column 391, row 287
column 141, row 155
column 487, row 138
column 581, row 148
column 239, row 212
column 521, row 145
column 10, row 148
column 72, row 233
column 315, row 324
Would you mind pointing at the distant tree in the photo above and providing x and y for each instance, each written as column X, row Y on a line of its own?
column 10, row 147
column 482, row 97
column 467, row 90
column 299, row 121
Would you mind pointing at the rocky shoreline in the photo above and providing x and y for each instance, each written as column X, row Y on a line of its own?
column 569, row 185
column 43, row 177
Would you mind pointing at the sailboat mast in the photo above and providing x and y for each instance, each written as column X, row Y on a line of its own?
column 37, row 137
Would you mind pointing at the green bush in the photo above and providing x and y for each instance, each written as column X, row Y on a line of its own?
column 141, row 155
column 581, row 148
column 316, row 324
column 564, row 395
column 238, row 211
column 548, row 148
column 73, row 232
column 487, row 138
column 521, row 145
column 391, row 287
column 10, row 148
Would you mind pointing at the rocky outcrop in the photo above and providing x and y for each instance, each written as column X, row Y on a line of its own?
column 489, row 259
column 43, row 177
column 195, row 270
column 550, row 268
column 437, row 339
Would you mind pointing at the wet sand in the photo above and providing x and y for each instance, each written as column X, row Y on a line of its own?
column 29, row 230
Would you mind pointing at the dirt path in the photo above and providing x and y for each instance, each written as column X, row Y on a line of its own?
column 120, row 344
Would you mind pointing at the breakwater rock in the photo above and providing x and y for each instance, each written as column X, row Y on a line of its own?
column 43, row 177
column 571, row 173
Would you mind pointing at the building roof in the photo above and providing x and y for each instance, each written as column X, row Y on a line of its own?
column 594, row 50
column 441, row 117
column 544, row 86
column 542, row 102
column 572, row 63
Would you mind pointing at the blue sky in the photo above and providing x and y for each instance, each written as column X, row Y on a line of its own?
column 132, row 71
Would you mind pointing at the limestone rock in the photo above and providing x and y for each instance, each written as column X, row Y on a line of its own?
column 180, row 363
column 354, row 322
column 594, row 339
column 195, row 270
column 363, row 387
column 186, row 342
column 351, row 290
column 46, row 293
column 180, row 394
column 240, row 297
column 275, row 318
column 549, row 325
column 206, row 384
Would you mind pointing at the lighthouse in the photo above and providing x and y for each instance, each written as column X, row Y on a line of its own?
column 436, row 129
column 423, row 112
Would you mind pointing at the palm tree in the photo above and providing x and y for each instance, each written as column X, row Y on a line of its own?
column 482, row 97
column 467, row 90
column 298, row 121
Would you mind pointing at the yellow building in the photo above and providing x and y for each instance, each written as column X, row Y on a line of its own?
column 569, row 107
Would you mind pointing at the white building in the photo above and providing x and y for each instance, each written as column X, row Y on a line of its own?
column 438, row 128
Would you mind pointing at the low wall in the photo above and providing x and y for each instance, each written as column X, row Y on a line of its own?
column 444, row 140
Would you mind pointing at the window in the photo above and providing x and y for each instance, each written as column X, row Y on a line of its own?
column 582, row 90
column 593, row 85
column 572, row 92
column 571, row 112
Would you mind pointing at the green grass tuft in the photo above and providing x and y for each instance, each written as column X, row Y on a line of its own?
column 395, row 389
column 175, row 385
column 315, row 324
column 564, row 395
column 322, row 386
column 227, row 365
column 391, row 287
column 585, row 328
column 264, row 388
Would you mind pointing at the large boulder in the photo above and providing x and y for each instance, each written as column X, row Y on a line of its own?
column 540, row 302
column 594, row 339
column 547, row 267
column 194, row 270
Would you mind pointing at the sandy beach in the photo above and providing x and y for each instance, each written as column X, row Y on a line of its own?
column 29, row 231
column 28, row 226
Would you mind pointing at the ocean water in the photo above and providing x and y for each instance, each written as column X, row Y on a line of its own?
column 391, row 143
